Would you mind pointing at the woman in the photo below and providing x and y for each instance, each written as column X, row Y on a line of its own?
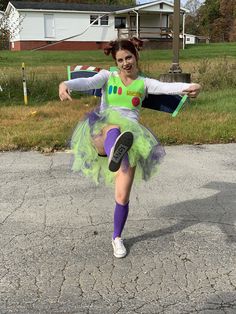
column 113, row 130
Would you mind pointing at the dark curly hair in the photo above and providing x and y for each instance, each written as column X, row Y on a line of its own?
column 133, row 45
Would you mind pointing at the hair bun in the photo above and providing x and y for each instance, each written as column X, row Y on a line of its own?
column 138, row 43
column 108, row 48
column 133, row 45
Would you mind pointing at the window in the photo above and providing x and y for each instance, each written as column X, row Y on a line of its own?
column 49, row 25
column 104, row 20
column 100, row 21
column 161, row 5
column 93, row 18
column 120, row 22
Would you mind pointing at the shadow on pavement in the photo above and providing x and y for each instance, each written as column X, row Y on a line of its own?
column 218, row 209
column 220, row 303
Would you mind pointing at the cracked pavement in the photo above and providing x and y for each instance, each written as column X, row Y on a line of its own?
column 56, row 227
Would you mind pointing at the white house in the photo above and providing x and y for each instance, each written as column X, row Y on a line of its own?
column 72, row 26
column 190, row 39
column 195, row 39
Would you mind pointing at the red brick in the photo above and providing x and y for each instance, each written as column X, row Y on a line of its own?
column 65, row 45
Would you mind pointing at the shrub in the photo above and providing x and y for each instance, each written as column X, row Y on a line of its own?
column 220, row 74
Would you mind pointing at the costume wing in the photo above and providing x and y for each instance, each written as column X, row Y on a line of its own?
column 165, row 103
column 84, row 71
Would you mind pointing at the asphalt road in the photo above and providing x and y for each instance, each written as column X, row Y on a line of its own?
column 56, row 227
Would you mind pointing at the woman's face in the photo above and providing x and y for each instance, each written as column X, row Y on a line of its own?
column 126, row 62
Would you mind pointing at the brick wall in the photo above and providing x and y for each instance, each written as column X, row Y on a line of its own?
column 66, row 45
column 89, row 45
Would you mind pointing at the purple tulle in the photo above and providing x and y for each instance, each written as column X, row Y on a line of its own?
column 93, row 117
column 145, row 154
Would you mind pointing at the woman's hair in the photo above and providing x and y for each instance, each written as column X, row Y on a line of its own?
column 133, row 45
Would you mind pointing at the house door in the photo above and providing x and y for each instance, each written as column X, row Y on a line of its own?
column 133, row 24
column 49, row 25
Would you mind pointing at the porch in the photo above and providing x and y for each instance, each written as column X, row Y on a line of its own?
column 153, row 37
column 145, row 32
column 150, row 22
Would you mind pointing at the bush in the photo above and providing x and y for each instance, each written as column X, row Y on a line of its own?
column 214, row 75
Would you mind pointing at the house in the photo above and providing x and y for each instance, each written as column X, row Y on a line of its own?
column 190, row 39
column 195, row 39
column 202, row 39
column 74, row 26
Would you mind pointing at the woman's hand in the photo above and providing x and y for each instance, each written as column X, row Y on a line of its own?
column 64, row 92
column 193, row 90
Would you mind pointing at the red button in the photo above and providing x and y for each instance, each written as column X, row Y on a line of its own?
column 135, row 101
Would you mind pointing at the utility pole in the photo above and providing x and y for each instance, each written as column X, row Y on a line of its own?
column 175, row 67
column 175, row 72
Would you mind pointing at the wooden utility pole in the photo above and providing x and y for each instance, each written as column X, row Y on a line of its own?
column 175, row 67
column 175, row 72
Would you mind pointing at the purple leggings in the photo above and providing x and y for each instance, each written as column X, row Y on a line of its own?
column 111, row 137
column 121, row 211
column 120, row 217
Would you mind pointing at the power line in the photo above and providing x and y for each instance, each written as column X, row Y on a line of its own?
column 73, row 36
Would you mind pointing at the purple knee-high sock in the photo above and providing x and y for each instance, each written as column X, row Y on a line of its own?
column 111, row 137
column 120, row 217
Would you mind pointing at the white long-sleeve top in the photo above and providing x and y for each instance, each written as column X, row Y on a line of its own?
column 99, row 80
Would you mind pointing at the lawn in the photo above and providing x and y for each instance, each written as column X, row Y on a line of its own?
column 55, row 58
column 47, row 124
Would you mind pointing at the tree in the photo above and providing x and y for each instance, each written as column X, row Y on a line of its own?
column 192, row 22
column 8, row 28
column 217, row 17
column 3, row 5
column 193, row 6
column 227, row 11
column 206, row 20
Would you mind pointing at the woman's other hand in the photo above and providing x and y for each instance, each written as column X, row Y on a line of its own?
column 64, row 92
column 193, row 90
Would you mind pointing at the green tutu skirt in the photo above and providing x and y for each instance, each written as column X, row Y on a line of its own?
column 145, row 153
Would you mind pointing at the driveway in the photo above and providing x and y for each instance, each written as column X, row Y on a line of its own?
column 56, row 227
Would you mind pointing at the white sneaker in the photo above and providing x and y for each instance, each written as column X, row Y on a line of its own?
column 118, row 247
column 122, row 144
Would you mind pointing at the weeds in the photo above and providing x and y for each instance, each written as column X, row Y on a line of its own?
column 40, row 89
column 213, row 75
column 217, row 74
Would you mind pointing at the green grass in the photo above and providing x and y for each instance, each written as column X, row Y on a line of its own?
column 218, row 101
column 50, row 58
column 41, row 88
column 211, row 118
column 48, row 123
column 208, row 51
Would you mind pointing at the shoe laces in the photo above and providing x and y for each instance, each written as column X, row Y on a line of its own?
column 119, row 243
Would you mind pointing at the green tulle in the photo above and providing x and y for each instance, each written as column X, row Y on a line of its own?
column 87, row 160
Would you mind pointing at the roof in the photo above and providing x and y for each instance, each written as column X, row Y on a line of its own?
column 198, row 36
column 56, row 6
column 81, row 7
column 143, row 6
